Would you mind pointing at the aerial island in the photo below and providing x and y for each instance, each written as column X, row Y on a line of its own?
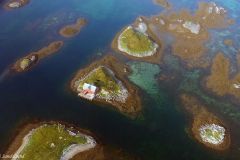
column 135, row 42
column 163, row 3
column 206, row 128
column 27, row 62
column 13, row 4
column 51, row 140
column 105, row 81
column 220, row 80
column 189, row 31
column 73, row 29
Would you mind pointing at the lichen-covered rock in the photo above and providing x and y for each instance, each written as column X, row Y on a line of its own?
column 25, row 63
column 212, row 133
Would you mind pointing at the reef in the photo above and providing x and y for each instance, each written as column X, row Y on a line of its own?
column 30, row 60
column 190, row 31
column 73, row 29
column 107, row 83
column 220, row 81
column 206, row 127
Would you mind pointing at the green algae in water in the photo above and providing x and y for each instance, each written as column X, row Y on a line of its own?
column 191, row 84
column 143, row 75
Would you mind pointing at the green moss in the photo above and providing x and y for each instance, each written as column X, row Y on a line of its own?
column 135, row 42
column 102, row 79
column 39, row 146
column 25, row 63
column 211, row 133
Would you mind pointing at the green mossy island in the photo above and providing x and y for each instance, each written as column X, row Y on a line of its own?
column 53, row 141
column 136, row 43
column 105, row 81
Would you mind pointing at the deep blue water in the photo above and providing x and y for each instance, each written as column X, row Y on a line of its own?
column 42, row 92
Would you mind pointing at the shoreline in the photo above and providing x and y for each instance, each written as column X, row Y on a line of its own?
column 25, row 130
column 132, row 105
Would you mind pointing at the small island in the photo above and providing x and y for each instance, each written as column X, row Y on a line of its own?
column 206, row 128
column 135, row 42
column 14, row 4
column 219, row 81
column 27, row 62
column 73, row 29
column 105, row 81
column 49, row 141
column 163, row 3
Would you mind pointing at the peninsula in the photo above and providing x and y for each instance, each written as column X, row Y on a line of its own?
column 206, row 128
column 27, row 62
column 49, row 141
column 105, row 81
column 73, row 29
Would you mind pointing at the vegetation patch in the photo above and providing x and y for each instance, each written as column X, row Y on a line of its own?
column 49, row 142
column 110, row 88
column 105, row 82
column 136, row 43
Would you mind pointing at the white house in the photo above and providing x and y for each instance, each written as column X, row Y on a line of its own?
column 87, row 91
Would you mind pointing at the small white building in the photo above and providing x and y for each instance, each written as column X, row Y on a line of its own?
column 87, row 91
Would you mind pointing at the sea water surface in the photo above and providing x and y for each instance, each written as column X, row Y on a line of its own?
column 42, row 93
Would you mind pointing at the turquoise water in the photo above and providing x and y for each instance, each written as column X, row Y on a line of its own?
column 42, row 92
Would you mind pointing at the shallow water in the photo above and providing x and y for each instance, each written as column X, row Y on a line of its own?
column 42, row 92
